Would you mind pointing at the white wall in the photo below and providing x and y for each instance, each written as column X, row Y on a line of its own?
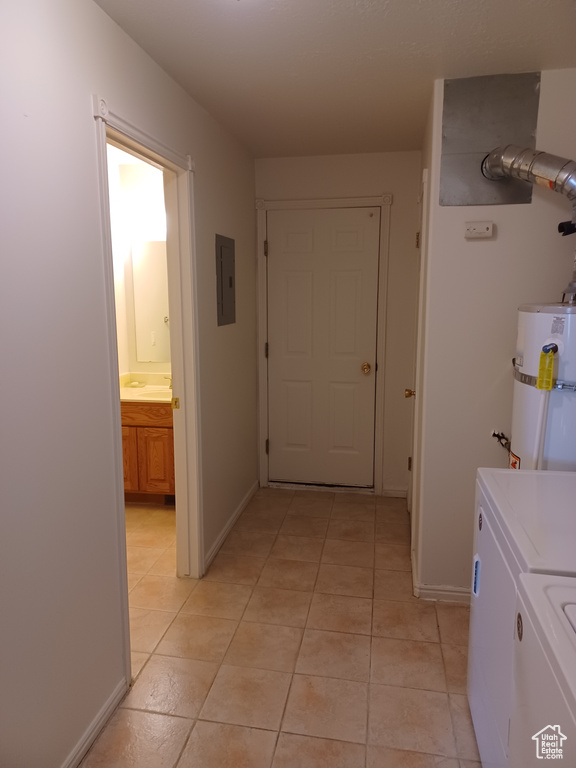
column 61, row 644
column 473, row 290
column 357, row 176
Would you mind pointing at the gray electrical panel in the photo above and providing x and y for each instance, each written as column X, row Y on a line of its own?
column 225, row 280
column 480, row 114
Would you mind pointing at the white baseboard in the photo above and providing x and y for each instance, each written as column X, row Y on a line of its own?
column 211, row 554
column 442, row 593
column 439, row 592
column 78, row 753
column 395, row 493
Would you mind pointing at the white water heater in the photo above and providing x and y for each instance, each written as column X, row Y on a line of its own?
column 544, row 421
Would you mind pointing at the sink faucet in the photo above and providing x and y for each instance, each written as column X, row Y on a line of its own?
column 170, row 380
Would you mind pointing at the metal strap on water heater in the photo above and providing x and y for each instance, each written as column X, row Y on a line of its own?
column 526, row 378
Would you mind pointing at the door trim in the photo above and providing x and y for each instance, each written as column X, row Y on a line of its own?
column 179, row 194
column 262, row 207
column 417, row 476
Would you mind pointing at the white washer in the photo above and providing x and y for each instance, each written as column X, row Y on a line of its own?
column 543, row 720
column 525, row 522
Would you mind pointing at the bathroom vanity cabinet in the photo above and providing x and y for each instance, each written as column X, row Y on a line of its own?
column 148, row 447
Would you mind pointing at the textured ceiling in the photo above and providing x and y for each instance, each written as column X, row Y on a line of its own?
column 307, row 77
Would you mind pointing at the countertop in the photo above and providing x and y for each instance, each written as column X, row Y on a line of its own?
column 149, row 394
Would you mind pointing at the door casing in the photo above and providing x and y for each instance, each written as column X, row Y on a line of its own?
column 416, row 477
column 262, row 207
column 179, row 195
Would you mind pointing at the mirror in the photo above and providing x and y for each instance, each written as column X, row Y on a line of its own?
column 138, row 219
column 151, row 313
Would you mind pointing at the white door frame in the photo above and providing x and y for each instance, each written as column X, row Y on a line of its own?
column 416, row 479
column 415, row 416
column 262, row 207
column 179, row 197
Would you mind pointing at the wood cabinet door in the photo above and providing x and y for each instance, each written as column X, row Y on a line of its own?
column 156, row 459
column 130, row 458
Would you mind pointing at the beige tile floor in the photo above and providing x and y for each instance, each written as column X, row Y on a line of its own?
column 302, row 647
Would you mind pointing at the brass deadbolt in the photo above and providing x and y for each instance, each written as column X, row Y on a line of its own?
column 366, row 368
column 409, row 393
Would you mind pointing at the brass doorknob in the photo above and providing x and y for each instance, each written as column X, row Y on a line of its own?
column 366, row 368
column 409, row 393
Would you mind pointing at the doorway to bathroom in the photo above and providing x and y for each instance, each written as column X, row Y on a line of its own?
column 157, row 336
column 142, row 308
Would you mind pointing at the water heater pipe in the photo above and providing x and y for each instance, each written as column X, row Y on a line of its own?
column 541, row 422
column 546, row 170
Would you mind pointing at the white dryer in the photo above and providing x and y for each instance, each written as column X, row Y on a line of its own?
column 543, row 719
column 525, row 522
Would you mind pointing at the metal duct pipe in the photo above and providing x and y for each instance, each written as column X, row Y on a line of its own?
column 551, row 171
column 556, row 173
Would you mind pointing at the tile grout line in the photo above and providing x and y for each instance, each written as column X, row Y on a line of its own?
column 456, row 755
column 368, row 687
column 186, row 740
column 319, row 563
column 266, row 560
column 278, row 731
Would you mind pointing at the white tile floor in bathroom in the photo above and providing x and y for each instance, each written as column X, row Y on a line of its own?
column 302, row 647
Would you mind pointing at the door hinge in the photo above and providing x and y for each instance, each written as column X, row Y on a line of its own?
column 409, row 463
column 417, row 239
column 267, row 447
column 266, row 349
column 266, row 248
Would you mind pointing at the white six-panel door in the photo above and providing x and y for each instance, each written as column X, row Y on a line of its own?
column 322, row 320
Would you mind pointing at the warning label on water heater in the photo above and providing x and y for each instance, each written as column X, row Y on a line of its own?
column 514, row 461
column 558, row 323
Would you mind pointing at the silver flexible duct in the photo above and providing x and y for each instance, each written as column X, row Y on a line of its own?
column 556, row 173
column 550, row 171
